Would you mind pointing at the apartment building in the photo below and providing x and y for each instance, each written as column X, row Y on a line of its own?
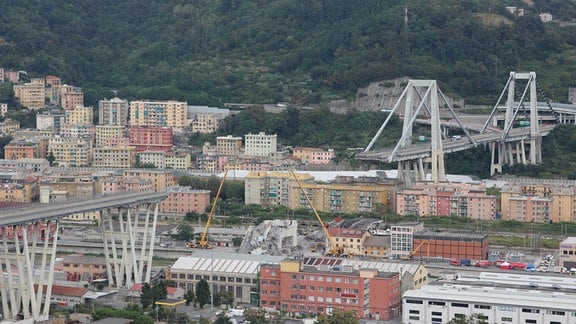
column 314, row 290
column 446, row 199
column 114, row 157
column 271, row 188
column 22, row 148
column 86, row 131
column 71, row 151
column 161, row 179
column 260, row 144
column 539, row 200
column 182, row 200
column 151, row 138
column 103, row 134
column 80, row 115
column 156, row 158
column 350, row 239
column 16, row 193
column 70, row 97
column 25, row 164
column 50, row 120
column 31, row 95
column 313, row 155
column 114, row 184
column 170, row 113
column 177, row 160
column 402, row 237
column 205, row 123
column 3, row 109
column 341, row 197
column 52, row 90
column 228, row 145
column 233, row 272
column 113, row 112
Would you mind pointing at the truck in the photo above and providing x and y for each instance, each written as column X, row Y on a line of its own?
column 465, row 262
column 483, row 264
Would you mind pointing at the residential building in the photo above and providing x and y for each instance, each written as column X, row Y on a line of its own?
column 341, row 197
column 161, row 179
column 377, row 246
column 177, row 160
column 156, row 158
column 450, row 245
column 233, row 272
column 114, row 157
column 572, row 95
column 3, row 109
column 71, row 151
column 313, row 155
column 545, row 17
column 64, row 183
column 182, row 200
column 151, row 138
column 22, row 148
column 113, row 112
column 25, row 164
column 106, row 132
column 80, row 115
column 204, row 123
column 351, row 240
column 114, row 184
column 260, row 144
column 567, row 253
column 80, row 267
column 228, row 145
column 50, row 120
column 66, row 296
column 86, row 131
column 294, row 288
column 70, row 97
column 447, row 199
column 15, row 193
column 52, row 89
column 9, row 76
column 31, row 95
column 171, row 114
column 271, row 188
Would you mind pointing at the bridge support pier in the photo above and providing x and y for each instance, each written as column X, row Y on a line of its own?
column 25, row 292
column 124, row 265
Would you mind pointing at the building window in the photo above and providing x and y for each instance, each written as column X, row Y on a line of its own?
column 463, row 305
column 506, row 319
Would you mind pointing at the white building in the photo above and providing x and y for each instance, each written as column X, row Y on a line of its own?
column 260, row 144
column 496, row 298
column 113, row 112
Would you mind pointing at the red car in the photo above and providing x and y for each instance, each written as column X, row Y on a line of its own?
column 483, row 264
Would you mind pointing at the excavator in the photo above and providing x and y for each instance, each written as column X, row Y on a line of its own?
column 334, row 249
column 409, row 256
column 203, row 243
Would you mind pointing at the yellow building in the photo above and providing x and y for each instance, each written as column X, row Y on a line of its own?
column 177, row 160
column 205, row 123
column 106, row 132
column 114, row 157
column 351, row 240
column 377, row 245
column 31, row 95
column 80, row 115
column 161, row 179
column 341, row 198
column 16, row 193
column 71, row 151
column 272, row 188
column 70, row 97
column 159, row 113
column 549, row 200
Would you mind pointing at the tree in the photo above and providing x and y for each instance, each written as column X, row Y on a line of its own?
column 189, row 296
column 255, row 316
column 203, row 293
column 185, row 232
column 472, row 319
column 226, row 297
column 146, row 296
column 338, row 317
column 51, row 157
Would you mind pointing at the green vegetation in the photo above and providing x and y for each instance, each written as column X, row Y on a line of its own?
column 211, row 52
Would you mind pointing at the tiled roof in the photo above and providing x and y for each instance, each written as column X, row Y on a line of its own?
column 66, row 290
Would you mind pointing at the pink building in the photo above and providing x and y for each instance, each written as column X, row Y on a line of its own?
column 529, row 208
column 313, row 155
column 446, row 199
column 132, row 184
column 150, row 138
column 182, row 200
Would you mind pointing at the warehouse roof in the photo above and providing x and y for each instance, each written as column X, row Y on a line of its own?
column 216, row 261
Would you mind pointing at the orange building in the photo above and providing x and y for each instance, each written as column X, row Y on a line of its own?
column 294, row 288
column 20, row 149
column 184, row 199
column 313, row 155
column 451, row 245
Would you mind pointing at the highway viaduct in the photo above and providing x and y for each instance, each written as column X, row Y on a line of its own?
column 29, row 241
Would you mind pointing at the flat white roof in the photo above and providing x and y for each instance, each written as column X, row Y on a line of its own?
column 494, row 296
column 215, row 261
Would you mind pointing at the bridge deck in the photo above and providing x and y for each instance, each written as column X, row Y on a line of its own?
column 22, row 215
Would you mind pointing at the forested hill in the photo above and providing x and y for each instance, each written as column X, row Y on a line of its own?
column 216, row 51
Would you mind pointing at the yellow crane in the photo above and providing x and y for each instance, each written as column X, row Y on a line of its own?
column 409, row 256
column 203, row 243
column 334, row 250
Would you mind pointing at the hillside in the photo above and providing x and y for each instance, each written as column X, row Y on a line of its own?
column 217, row 51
